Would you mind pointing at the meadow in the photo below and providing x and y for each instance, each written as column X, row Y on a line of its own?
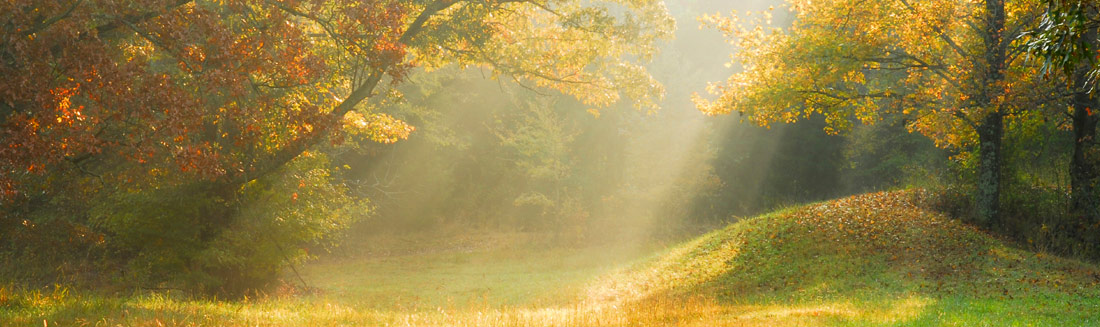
column 869, row 260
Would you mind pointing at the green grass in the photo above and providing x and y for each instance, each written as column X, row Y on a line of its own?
column 487, row 269
column 870, row 260
column 874, row 255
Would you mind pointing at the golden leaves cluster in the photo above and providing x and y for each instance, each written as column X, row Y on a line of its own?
column 853, row 60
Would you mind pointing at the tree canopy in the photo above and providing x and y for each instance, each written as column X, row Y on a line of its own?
column 228, row 91
column 187, row 141
column 950, row 64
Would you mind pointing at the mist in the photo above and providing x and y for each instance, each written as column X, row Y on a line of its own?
column 492, row 152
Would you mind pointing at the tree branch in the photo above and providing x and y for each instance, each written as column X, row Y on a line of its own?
column 360, row 93
column 139, row 18
column 55, row 19
column 942, row 35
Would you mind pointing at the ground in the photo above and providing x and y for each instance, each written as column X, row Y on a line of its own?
column 870, row 260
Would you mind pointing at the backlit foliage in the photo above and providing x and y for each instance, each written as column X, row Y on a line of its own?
column 852, row 61
column 230, row 90
column 578, row 48
column 165, row 127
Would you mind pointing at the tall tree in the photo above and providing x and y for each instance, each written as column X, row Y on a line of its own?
column 137, row 104
column 1066, row 42
column 229, row 91
column 949, row 63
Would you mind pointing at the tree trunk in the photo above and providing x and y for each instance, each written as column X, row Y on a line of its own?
column 1084, row 177
column 990, row 158
column 991, row 128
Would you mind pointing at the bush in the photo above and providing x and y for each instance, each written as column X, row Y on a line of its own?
column 1034, row 217
column 952, row 199
column 194, row 237
column 44, row 236
column 1040, row 218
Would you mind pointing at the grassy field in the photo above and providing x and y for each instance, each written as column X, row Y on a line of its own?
column 870, row 260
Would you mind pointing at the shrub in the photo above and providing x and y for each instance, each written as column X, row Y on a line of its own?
column 1040, row 218
column 1033, row 216
column 196, row 237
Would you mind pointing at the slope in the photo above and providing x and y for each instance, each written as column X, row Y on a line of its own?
column 876, row 258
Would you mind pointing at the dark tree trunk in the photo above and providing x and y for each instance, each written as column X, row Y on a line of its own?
column 991, row 127
column 1083, row 168
column 990, row 158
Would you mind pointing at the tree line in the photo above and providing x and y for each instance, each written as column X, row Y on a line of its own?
column 970, row 75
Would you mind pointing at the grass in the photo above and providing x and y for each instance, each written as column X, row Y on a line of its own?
column 459, row 270
column 870, row 260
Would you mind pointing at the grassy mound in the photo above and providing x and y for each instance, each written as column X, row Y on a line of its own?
column 872, row 250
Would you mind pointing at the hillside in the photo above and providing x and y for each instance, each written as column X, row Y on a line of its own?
column 874, row 258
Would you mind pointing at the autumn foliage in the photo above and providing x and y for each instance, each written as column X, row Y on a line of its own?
column 206, row 89
column 212, row 102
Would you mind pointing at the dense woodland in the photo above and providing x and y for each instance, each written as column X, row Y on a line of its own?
column 208, row 146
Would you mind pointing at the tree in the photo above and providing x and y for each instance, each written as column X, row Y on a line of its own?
column 1065, row 42
column 949, row 63
column 115, row 97
column 230, row 91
